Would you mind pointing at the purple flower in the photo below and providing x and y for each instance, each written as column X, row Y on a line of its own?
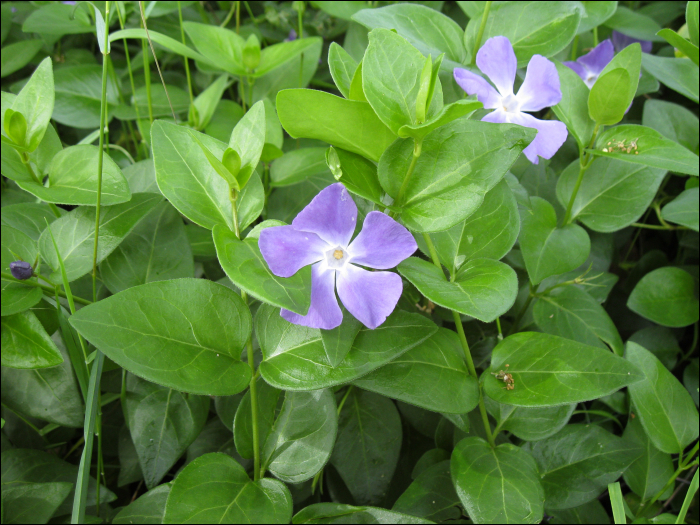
column 21, row 270
column 320, row 235
column 621, row 41
column 589, row 66
column 496, row 59
column 292, row 36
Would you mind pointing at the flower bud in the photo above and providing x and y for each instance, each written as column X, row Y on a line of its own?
column 251, row 53
column 21, row 270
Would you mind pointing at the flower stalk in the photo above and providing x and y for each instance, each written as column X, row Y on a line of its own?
column 585, row 161
column 482, row 27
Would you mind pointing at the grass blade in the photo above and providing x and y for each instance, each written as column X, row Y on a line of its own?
column 688, row 499
column 618, row 504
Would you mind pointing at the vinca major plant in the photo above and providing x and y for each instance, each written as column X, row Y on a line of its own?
column 349, row 262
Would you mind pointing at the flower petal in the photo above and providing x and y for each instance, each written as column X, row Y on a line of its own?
column 383, row 243
column 599, row 57
column 331, row 215
column 541, row 86
column 475, row 85
column 500, row 116
column 621, row 41
column 577, row 68
column 287, row 250
column 369, row 296
column 551, row 134
column 324, row 311
column 496, row 59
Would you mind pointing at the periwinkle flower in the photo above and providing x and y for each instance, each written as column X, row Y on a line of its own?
column 291, row 36
column 21, row 270
column 496, row 59
column 590, row 65
column 320, row 235
column 621, row 41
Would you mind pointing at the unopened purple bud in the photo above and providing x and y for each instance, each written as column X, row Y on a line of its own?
column 292, row 36
column 21, row 270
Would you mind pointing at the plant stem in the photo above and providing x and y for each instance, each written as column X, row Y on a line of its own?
column 25, row 160
column 147, row 78
column 584, row 163
column 417, row 146
column 300, row 23
column 48, row 289
column 480, row 34
column 187, row 63
column 229, row 15
column 238, row 16
column 574, row 48
column 242, row 92
column 100, row 154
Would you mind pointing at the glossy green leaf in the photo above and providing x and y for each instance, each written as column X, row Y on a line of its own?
column 78, row 96
column 570, row 312
column 673, row 121
column 294, row 357
column 432, row 375
column 679, row 74
column 17, row 55
column 681, row 44
column 221, row 47
column 607, row 101
column 141, row 177
column 359, row 176
column 338, row 341
column 215, row 488
column 663, row 405
column 592, row 512
column 276, row 55
column 245, row 266
column 33, row 502
column 577, row 464
column 530, row 423
column 547, row 249
column 185, row 334
column 342, row 513
column 497, row 485
column 207, row 101
column 36, row 103
column 357, row 91
column 457, row 166
column 533, row 28
column 30, row 218
column 148, row 508
column 572, row 109
column 367, row 448
column 156, row 250
column 612, row 195
column 596, row 14
column 458, row 109
column 21, row 466
column 248, row 137
column 75, row 234
column 666, row 297
column 16, row 296
column 25, row 343
column 215, row 437
column 548, row 371
column 73, row 179
column 302, row 438
column 634, row 24
column 652, row 149
column 298, row 165
column 58, row 19
column 481, row 288
column 347, row 124
column 342, row 67
column 683, row 209
column 431, row 496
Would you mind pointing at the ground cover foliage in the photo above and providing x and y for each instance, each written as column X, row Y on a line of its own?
column 539, row 363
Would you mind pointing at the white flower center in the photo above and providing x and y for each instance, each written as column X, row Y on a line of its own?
column 510, row 104
column 590, row 80
column 337, row 257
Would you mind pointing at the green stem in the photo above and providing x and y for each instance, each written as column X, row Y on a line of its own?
column 100, row 155
column 693, row 345
column 655, row 226
column 300, row 23
column 682, row 465
column 147, row 78
column 187, row 63
column 574, row 48
column 48, row 289
column 595, row 36
column 417, row 146
column 229, row 15
column 242, row 90
column 29, row 423
column 480, row 34
column 25, row 160
column 584, row 163
column 238, row 16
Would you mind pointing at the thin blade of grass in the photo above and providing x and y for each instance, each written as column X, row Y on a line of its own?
column 688, row 499
column 618, row 505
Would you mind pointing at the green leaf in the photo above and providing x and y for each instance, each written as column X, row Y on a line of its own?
column 634, row 24
column 245, row 266
column 294, row 357
column 548, row 371
column 428, row 30
column 338, row 341
column 663, row 405
column 497, row 485
column 148, row 508
column 221, row 47
column 224, row 171
column 683, row 209
column 141, row 177
column 577, row 464
column 533, row 28
column 488, row 233
column 302, row 438
column 58, row 19
column 17, row 296
column 457, row 166
column 33, row 502
column 547, row 249
column 25, row 343
column 679, row 74
column 596, row 14
column 673, row 121
column 215, row 437
column 79, row 92
column 357, row 91
column 21, row 466
column 347, row 124
column 73, row 179
column 215, row 488
column 251, row 200
column 691, row 18
column 296, row 73
column 160, row 39
column 297, row 165
column 359, row 176
column 481, row 288
column 16, row 56
column 447, row 114
column 75, row 234
column 36, row 103
column 613, row 195
column 342, row 67
column 185, row 334
column 276, row 55
column 163, row 423
column 248, row 138
column 570, row 312
column 608, row 99
column 431, row 496
column 156, row 250
column 207, row 100
column 424, row 87
column 652, row 149
column 391, row 71
column 341, row 513
column 431, row 375
column 529, row 423
column 251, row 53
column 591, row 512
column 681, row 44
column 665, row 296
column 267, row 402
column 648, row 474
column 367, row 448
column 30, row 218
